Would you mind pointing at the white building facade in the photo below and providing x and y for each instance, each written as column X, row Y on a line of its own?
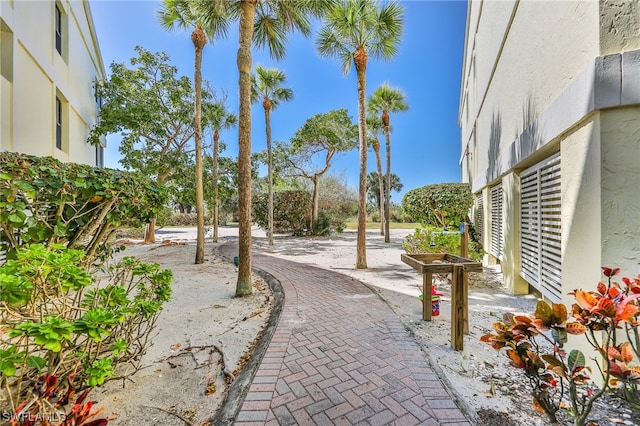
column 49, row 62
column 550, row 123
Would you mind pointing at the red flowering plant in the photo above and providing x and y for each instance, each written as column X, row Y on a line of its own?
column 555, row 375
column 614, row 310
column 46, row 406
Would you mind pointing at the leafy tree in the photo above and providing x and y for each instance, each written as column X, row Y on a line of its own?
column 152, row 108
column 353, row 31
column 266, row 85
column 373, row 192
column 374, row 127
column 441, row 204
column 219, row 118
column 384, row 100
column 313, row 147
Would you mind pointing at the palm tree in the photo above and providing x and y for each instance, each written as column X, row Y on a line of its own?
column 266, row 84
column 374, row 127
column 353, row 31
column 187, row 14
column 264, row 23
column 218, row 118
column 384, row 100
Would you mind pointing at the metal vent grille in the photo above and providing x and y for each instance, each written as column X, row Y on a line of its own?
column 479, row 216
column 497, row 239
column 540, row 227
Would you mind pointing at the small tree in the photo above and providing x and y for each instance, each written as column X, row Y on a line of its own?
column 314, row 146
column 153, row 109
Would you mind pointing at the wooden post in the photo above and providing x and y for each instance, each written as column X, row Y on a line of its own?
column 457, row 307
column 427, row 284
column 464, row 252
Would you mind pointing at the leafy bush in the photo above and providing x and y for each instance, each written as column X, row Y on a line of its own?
column 44, row 201
column 421, row 242
column 291, row 211
column 443, row 204
column 56, row 321
column 555, row 375
column 59, row 321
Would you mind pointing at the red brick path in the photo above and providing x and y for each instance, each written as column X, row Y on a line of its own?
column 340, row 356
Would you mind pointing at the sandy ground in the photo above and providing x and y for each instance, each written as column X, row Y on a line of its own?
column 181, row 381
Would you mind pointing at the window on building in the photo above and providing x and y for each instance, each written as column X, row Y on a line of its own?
column 540, row 227
column 58, row 29
column 6, row 51
column 497, row 238
column 58, row 123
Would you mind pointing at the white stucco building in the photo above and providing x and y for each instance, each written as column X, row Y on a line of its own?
column 550, row 122
column 49, row 60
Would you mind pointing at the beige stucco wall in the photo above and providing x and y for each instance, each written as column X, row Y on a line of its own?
column 40, row 74
column 533, row 66
column 580, row 162
column 620, row 188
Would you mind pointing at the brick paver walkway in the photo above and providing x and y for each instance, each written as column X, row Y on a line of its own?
column 339, row 355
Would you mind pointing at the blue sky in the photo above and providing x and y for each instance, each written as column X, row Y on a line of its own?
column 425, row 141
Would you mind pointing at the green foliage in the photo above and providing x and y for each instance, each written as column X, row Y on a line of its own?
column 443, row 204
column 422, row 239
column 290, row 211
column 44, row 201
column 322, row 226
column 69, row 324
column 553, row 375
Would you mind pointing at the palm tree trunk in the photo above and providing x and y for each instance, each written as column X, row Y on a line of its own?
column 244, row 286
column 361, row 246
column 215, row 218
column 198, row 138
column 267, row 120
column 376, row 149
column 387, row 195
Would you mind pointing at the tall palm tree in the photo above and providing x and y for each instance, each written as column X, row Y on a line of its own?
column 263, row 23
column 374, row 127
column 218, row 118
column 384, row 100
column 186, row 14
column 266, row 84
column 354, row 30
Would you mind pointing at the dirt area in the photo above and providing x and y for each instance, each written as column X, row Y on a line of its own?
column 183, row 383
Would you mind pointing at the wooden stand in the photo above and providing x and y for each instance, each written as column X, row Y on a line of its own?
column 458, row 267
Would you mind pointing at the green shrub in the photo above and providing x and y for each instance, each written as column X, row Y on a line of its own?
column 443, row 204
column 291, row 211
column 58, row 320
column 44, row 201
column 428, row 240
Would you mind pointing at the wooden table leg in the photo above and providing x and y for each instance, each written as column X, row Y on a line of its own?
column 457, row 304
column 427, row 284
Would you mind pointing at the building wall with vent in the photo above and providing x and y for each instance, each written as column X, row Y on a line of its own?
column 550, row 124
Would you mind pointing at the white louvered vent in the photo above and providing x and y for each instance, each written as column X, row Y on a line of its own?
column 497, row 238
column 479, row 216
column 540, row 230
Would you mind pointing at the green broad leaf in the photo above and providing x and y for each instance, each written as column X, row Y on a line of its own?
column 17, row 218
column 5, row 176
column 544, row 312
column 575, row 360
column 36, row 362
column 552, row 360
column 60, row 230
